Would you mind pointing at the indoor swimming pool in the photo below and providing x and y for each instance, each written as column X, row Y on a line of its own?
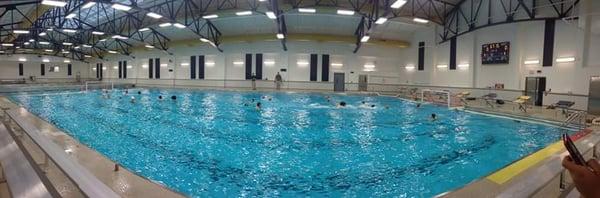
column 212, row 143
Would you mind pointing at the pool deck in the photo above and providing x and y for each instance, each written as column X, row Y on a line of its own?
column 124, row 182
column 128, row 184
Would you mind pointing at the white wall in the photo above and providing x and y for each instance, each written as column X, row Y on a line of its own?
column 526, row 39
column 9, row 67
column 386, row 59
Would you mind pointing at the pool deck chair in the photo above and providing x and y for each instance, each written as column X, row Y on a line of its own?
column 462, row 96
column 522, row 102
column 564, row 105
column 489, row 99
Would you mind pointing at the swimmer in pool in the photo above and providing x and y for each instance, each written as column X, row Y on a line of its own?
column 258, row 106
column 372, row 106
column 173, row 97
column 132, row 99
column 418, row 105
column 341, row 104
column 160, row 97
column 139, row 92
column 433, row 117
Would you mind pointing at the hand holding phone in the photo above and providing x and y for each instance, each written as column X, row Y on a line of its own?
column 575, row 154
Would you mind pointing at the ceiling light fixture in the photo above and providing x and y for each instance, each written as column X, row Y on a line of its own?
column 243, row 13
column 97, row 33
column 398, row 4
column 150, row 46
column 345, row 12
column 7, row 44
column 46, row 60
column 86, row 46
column 22, row 59
column 54, row 3
column 70, row 16
column 179, row 25
column 31, row 40
column 531, row 62
column 442, row 66
column 88, row 5
column 271, row 15
column 44, row 43
column 365, row 39
column 66, row 43
column 21, row 31
column 307, row 10
column 204, row 40
column 420, row 20
column 112, row 52
column 565, row 59
column 42, row 34
column 165, row 24
column 67, row 61
column 381, row 20
column 121, row 7
column 69, row 30
column 154, row 15
column 212, row 16
column 280, row 36
column 144, row 29
column 48, row 50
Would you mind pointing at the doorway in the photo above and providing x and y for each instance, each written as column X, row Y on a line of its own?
column 338, row 82
column 362, row 82
column 535, row 87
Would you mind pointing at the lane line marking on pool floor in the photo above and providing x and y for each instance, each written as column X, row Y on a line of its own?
column 512, row 170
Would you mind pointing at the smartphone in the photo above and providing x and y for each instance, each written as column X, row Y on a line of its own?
column 575, row 154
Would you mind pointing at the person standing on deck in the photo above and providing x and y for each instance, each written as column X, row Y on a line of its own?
column 253, row 81
column 278, row 81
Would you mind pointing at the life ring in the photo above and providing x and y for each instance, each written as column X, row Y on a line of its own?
column 596, row 121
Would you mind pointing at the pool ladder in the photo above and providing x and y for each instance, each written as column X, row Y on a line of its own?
column 577, row 119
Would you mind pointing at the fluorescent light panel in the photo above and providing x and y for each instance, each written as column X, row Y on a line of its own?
column 409, row 67
column 179, row 25
column 269, row 62
column 22, row 59
column 345, row 12
column 46, row 60
column 165, row 24
column 464, row 65
column 337, row 64
column 204, row 40
column 112, row 52
column 86, row 46
column 44, row 43
column 48, row 50
column 271, row 15
column 420, row 20
column 307, row 10
column 565, row 59
column 238, row 63
column 369, row 66
column 121, row 7
column 88, row 5
column 150, row 46
column 7, row 44
column 302, row 63
column 69, row 30
column 442, row 66
column 42, row 34
column 365, row 39
column 55, row 3
column 144, row 29
column 97, row 33
column 243, row 13
column 21, row 31
column 66, row 61
column 212, row 16
column 280, row 36
column 531, row 62
column 381, row 20
column 154, row 15
column 398, row 4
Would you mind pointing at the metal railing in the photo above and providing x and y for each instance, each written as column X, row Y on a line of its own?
column 81, row 178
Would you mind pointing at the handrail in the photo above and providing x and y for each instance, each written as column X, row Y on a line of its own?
column 23, row 180
column 542, row 176
column 81, row 177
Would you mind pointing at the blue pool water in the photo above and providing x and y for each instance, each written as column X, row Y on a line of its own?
column 209, row 144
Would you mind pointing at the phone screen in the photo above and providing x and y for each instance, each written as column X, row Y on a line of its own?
column 575, row 154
